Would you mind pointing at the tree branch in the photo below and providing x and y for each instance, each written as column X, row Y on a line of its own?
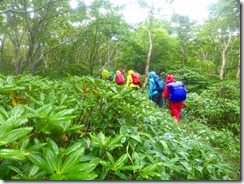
column 29, row 11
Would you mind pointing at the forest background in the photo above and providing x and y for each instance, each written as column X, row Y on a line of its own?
column 52, row 54
column 52, row 39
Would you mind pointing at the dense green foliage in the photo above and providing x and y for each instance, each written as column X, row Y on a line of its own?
column 82, row 128
column 54, row 127
column 219, row 106
column 54, row 39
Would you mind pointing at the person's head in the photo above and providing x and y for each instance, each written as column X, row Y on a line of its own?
column 151, row 74
column 170, row 78
column 130, row 72
column 118, row 71
column 122, row 71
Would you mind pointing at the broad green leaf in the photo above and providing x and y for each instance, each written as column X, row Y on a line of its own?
column 114, row 89
column 51, row 159
column 38, row 176
column 51, row 144
column 11, row 88
column 18, row 111
column 184, row 154
column 63, row 99
column 173, row 166
column 150, row 168
column 17, row 170
column 12, row 154
column 33, row 171
column 130, row 167
column 30, row 112
column 25, row 144
column 63, row 113
column 10, row 80
column 164, row 144
column 18, row 121
column 136, row 158
column 36, row 146
column 86, row 167
column 73, row 148
column 199, row 168
column 40, row 162
column 102, row 137
column 14, row 135
column 136, row 137
column 96, row 140
column 6, row 127
column 187, row 166
column 80, row 176
column 106, row 163
column 104, row 173
column 72, row 159
column 115, row 142
column 121, row 161
column 122, row 175
column 149, row 173
column 58, row 120
column 38, row 102
column 110, row 157
column 45, row 111
column 3, row 114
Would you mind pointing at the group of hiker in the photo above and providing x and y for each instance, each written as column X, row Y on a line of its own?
column 173, row 90
column 133, row 79
column 158, row 90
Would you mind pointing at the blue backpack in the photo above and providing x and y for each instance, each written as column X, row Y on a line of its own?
column 159, row 83
column 177, row 91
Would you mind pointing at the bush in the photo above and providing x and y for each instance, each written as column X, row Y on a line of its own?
column 193, row 80
column 219, row 106
column 83, row 128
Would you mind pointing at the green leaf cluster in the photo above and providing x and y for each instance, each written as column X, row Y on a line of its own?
column 218, row 106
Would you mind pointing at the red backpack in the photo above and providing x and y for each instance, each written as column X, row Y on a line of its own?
column 119, row 79
column 136, row 78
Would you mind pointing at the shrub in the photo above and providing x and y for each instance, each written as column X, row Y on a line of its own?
column 219, row 106
column 83, row 128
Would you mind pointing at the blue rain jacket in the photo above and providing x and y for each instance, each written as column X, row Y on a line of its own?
column 152, row 85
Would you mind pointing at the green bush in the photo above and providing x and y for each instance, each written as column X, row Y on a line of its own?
column 219, row 106
column 83, row 128
column 195, row 81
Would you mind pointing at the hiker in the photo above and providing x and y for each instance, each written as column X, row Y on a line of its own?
column 119, row 78
column 154, row 94
column 176, row 93
column 133, row 80
column 106, row 75
column 122, row 71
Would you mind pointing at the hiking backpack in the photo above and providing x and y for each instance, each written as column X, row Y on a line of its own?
column 119, row 79
column 159, row 84
column 111, row 76
column 136, row 78
column 105, row 74
column 177, row 91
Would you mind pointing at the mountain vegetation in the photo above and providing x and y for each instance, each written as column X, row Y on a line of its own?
column 60, row 121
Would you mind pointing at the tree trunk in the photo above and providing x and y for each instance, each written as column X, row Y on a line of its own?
column 221, row 75
column 184, row 57
column 224, row 59
column 238, row 71
column 148, row 60
column 2, row 51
